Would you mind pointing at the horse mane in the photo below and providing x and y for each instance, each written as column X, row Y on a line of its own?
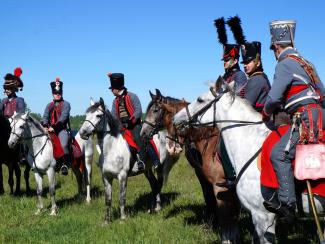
column 165, row 100
column 114, row 124
column 36, row 123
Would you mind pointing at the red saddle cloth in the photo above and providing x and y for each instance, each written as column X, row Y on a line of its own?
column 57, row 148
column 77, row 160
column 268, row 176
column 127, row 135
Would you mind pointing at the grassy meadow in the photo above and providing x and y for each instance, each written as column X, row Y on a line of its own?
column 180, row 221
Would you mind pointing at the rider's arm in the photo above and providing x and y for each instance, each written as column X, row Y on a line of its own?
column 46, row 117
column 137, row 108
column 20, row 105
column 282, row 79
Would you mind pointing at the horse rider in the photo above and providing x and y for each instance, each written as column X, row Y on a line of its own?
column 258, row 85
column 297, row 87
column 12, row 103
column 232, row 74
column 127, row 108
column 56, row 120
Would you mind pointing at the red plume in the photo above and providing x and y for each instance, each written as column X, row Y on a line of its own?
column 57, row 79
column 109, row 74
column 18, row 71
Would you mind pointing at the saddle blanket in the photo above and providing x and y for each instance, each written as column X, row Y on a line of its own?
column 77, row 159
column 268, row 177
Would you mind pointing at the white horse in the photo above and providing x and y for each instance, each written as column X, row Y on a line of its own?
column 115, row 159
column 40, row 154
column 87, row 149
column 242, row 142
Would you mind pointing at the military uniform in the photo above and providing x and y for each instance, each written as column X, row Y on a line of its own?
column 127, row 108
column 232, row 74
column 57, row 115
column 13, row 103
column 258, row 85
column 298, row 89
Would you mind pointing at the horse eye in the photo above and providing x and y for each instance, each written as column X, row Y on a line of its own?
column 98, row 116
column 21, row 127
column 200, row 100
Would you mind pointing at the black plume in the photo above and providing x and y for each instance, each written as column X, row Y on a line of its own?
column 221, row 29
column 235, row 26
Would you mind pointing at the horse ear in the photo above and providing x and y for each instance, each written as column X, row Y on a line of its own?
column 101, row 102
column 152, row 95
column 158, row 93
column 219, row 83
column 91, row 101
column 24, row 116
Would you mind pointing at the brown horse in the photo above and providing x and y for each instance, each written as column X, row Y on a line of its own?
column 201, row 151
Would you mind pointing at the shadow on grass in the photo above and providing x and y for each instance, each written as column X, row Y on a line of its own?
column 143, row 202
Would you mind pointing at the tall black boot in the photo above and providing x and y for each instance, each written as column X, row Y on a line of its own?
column 153, row 155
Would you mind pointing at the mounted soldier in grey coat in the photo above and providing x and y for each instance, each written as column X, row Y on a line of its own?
column 56, row 120
column 297, row 88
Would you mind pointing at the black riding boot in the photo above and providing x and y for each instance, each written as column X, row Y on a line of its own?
column 153, row 155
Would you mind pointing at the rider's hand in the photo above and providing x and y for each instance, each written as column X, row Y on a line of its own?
column 265, row 116
column 50, row 130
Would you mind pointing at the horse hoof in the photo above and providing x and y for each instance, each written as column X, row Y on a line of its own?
column 54, row 212
column 157, row 208
column 123, row 217
column 38, row 212
column 88, row 200
column 105, row 223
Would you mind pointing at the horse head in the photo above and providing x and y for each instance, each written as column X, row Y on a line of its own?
column 192, row 114
column 18, row 125
column 100, row 120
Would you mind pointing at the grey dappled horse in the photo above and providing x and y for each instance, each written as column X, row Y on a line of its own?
column 115, row 156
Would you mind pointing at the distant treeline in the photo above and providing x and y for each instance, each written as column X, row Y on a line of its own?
column 75, row 121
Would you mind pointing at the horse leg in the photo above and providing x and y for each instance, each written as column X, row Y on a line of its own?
column 2, row 190
column 88, row 161
column 39, row 191
column 18, row 175
column 108, row 198
column 123, row 183
column 228, row 213
column 78, row 175
column 11, row 178
column 160, row 182
column 264, row 226
column 154, row 188
column 51, row 176
column 26, row 177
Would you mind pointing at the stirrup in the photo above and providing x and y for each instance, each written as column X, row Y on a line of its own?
column 64, row 169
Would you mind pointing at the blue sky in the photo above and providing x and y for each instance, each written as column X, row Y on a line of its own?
column 170, row 45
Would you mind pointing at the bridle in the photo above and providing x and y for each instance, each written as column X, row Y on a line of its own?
column 22, row 139
column 193, row 122
column 95, row 127
column 157, row 125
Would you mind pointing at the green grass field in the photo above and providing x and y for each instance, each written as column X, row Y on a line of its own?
column 180, row 220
